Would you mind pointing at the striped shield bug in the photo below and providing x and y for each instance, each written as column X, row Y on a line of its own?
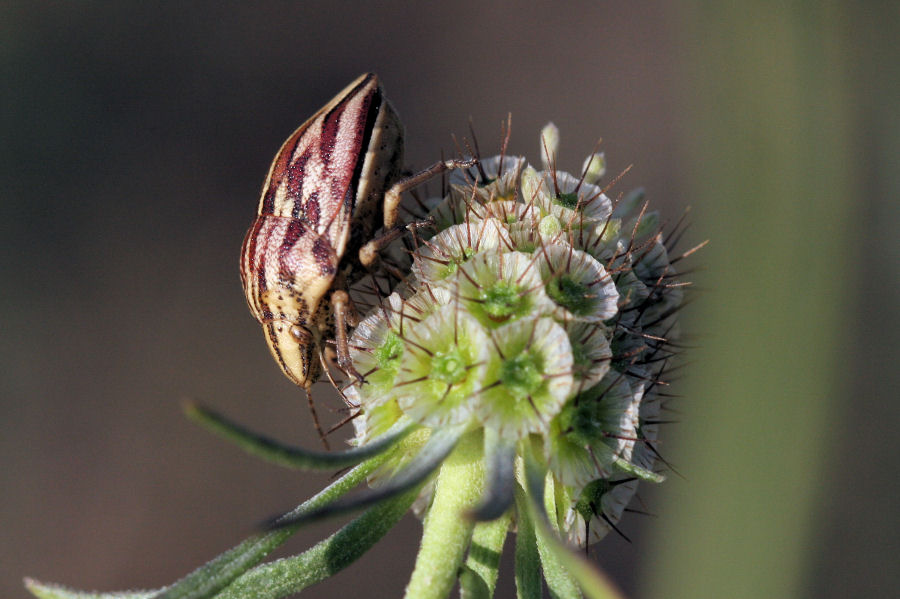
column 328, row 206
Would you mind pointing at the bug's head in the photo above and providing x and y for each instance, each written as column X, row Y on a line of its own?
column 294, row 349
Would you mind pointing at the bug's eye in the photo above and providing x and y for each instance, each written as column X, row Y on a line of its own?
column 300, row 334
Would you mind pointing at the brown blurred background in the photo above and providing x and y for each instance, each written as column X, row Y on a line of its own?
column 135, row 137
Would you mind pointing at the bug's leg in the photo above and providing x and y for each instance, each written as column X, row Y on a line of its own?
column 344, row 421
column 369, row 253
column 312, row 408
column 344, row 314
column 393, row 271
column 338, row 386
column 392, row 197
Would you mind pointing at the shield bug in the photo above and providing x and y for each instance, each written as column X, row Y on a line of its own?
column 333, row 184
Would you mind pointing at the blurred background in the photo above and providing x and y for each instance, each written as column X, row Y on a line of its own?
column 135, row 139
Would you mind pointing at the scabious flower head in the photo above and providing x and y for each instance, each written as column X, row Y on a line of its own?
column 557, row 313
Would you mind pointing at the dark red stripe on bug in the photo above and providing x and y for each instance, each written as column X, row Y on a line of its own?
column 248, row 262
column 310, row 210
column 295, row 177
column 332, row 120
column 295, row 230
column 260, row 265
column 324, row 255
column 364, row 129
column 281, row 164
column 362, row 133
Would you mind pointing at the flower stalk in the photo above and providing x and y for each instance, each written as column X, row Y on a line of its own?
column 446, row 534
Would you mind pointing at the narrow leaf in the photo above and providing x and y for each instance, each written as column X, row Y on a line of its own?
column 292, row 457
column 438, row 447
column 471, row 585
column 559, row 580
column 595, row 584
column 528, row 563
column 535, row 478
column 291, row 575
column 500, row 455
column 483, row 561
column 208, row 579
column 53, row 591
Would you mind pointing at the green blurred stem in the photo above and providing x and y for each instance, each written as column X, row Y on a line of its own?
column 768, row 106
column 446, row 534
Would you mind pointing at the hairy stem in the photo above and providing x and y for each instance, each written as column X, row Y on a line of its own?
column 447, row 533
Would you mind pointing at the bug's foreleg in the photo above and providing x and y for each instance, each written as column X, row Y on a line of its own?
column 344, row 314
column 369, row 253
column 392, row 197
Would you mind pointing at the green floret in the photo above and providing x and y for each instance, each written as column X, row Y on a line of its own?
column 521, row 375
column 503, row 300
column 570, row 294
column 568, row 200
column 449, row 367
column 583, row 419
column 388, row 354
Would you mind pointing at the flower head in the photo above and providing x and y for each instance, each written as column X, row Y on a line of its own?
column 562, row 308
